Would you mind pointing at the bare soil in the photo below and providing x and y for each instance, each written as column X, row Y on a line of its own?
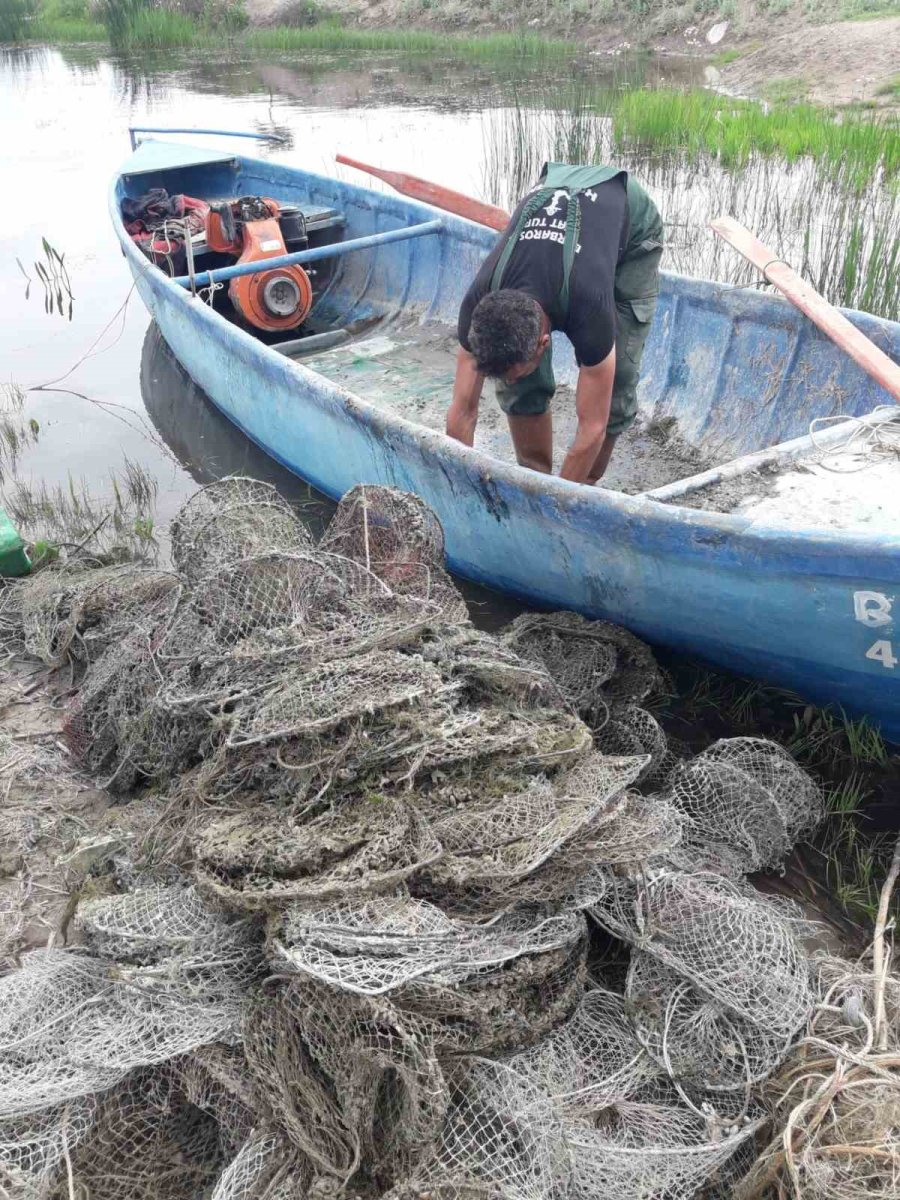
column 842, row 63
column 839, row 63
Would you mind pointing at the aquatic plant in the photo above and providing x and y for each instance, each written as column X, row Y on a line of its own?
column 330, row 35
column 15, row 17
column 115, row 527
column 53, row 276
column 133, row 24
column 66, row 21
column 826, row 200
column 17, row 431
column 857, row 148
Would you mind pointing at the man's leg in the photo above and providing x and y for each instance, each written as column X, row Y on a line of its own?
column 601, row 462
column 533, row 440
column 527, row 406
column 637, row 289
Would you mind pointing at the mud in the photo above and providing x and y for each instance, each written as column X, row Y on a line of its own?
column 410, row 371
column 846, row 491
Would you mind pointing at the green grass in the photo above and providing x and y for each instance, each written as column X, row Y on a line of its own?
column 891, row 88
column 724, row 57
column 329, row 36
column 788, row 90
column 694, row 122
column 49, row 28
column 869, row 10
column 15, row 19
column 134, row 24
column 158, row 29
column 115, row 527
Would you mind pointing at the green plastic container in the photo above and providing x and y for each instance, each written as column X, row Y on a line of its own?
column 13, row 559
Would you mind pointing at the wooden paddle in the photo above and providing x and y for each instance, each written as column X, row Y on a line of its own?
column 833, row 323
column 433, row 193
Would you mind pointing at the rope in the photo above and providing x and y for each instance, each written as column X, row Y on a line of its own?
column 869, row 440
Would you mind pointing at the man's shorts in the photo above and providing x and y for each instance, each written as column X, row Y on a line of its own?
column 636, row 294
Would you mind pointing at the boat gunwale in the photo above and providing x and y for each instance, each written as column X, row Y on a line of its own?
column 708, row 528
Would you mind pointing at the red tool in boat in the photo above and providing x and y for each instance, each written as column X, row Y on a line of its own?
column 433, row 193
column 870, row 357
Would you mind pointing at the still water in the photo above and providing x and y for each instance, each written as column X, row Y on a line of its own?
column 64, row 117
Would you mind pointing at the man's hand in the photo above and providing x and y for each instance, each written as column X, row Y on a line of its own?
column 592, row 401
column 462, row 415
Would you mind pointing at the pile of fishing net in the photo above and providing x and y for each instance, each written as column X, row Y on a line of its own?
column 344, row 929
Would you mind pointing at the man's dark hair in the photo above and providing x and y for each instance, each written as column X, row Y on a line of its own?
column 504, row 331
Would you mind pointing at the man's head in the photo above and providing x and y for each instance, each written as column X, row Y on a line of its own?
column 508, row 334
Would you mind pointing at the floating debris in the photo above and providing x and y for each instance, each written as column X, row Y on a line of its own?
column 336, row 934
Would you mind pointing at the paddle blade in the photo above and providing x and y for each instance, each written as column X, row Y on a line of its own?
column 434, row 194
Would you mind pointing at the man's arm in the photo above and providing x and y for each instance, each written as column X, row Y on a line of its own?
column 462, row 415
column 592, row 400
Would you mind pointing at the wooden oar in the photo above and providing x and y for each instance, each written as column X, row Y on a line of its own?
column 433, row 193
column 833, row 323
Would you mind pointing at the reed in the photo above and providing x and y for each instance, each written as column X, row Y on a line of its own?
column 334, row 37
column 54, row 28
column 834, row 216
column 116, row 526
column 733, row 131
column 139, row 24
column 15, row 20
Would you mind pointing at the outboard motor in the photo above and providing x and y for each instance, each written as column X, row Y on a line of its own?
column 251, row 228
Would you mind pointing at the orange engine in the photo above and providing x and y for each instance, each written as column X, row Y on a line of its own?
column 273, row 300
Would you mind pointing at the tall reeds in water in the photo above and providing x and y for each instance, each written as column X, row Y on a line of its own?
column 15, row 18
column 834, row 214
column 140, row 24
column 332, row 36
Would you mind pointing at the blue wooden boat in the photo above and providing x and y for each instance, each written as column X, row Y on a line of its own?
column 810, row 606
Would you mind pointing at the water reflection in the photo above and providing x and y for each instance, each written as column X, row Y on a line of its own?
column 205, row 442
column 64, row 115
column 209, row 447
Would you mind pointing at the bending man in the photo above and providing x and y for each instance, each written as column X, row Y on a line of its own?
column 580, row 254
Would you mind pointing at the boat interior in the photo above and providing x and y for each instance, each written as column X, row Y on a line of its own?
column 741, row 398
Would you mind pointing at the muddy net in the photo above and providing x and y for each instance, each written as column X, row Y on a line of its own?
column 337, row 926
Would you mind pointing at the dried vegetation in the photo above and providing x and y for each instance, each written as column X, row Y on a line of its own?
column 373, row 903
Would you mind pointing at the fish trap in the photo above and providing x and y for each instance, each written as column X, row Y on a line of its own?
column 729, row 943
column 637, row 1149
column 500, row 1137
column 396, row 536
column 388, row 942
column 746, row 803
column 148, row 1143
column 352, row 1084
column 592, row 1061
column 318, row 605
column 697, row 1040
column 71, row 612
column 594, row 663
column 361, row 847
column 230, row 520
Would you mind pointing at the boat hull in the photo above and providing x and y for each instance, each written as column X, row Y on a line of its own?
column 810, row 610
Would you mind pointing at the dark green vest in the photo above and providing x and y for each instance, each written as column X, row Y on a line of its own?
column 644, row 222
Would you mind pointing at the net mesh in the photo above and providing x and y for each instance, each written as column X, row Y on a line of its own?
column 77, row 612
column 398, row 537
column 229, row 520
column 721, row 986
column 335, row 943
column 594, row 663
column 746, row 803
